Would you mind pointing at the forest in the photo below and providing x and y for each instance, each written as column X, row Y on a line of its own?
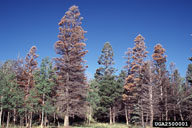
column 56, row 92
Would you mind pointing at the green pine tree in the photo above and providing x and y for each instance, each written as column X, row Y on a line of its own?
column 108, row 85
column 106, row 61
column 11, row 95
column 93, row 100
column 44, row 86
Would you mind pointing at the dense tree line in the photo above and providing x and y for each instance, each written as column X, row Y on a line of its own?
column 58, row 91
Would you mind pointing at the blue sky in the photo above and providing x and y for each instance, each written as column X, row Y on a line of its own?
column 24, row 23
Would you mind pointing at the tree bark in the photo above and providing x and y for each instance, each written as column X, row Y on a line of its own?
column 58, row 124
column 3, row 117
column 66, row 120
column 180, row 113
column 21, row 121
column 161, row 91
column 14, row 116
column 66, row 117
column 7, row 120
column 126, row 115
column 87, row 115
column 31, row 119
column 110, row 116
column 90, row 115
column 166, row 106
column 147, row 119
column 25, row 119
column 45, row 120
column 114, row 115
column 142, row 116
column 1, row 112
column 151, row 105
column 42, row 113
column 174, row 113
column 54, row 118
column 42, row 118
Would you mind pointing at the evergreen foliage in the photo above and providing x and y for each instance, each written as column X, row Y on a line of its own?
column 44, row 79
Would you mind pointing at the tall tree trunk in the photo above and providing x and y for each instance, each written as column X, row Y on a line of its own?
column 42, row 118
column 1, row 112
column 126, row 115
column 110, row 116
column 7, row 120
column 142, row 116
column 14, row 116
column 58, row 124
column 174, row 112
column 140, row 103
column 66, row 117
column 151, row 105
column 180, row 113
column 31, row 119
column 114, row 115
column 54, row 116
column 45, row 121
column 147, row 119
column 42, row 113
column 166, row 106
column 26, row 119
column 90, row 115
column 66, row 120
column 87, row 115
column 3, row 117
column 21, row 121
column 161, row 95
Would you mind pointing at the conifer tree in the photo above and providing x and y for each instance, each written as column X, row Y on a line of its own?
column 107, row 83
column 44, row 85
column 186, row 96
column 93, row 99
column 25, row 78
column 107, row 89
column 176, row 95
column 150, row 92
column 11, row 96
column 126, row 99
column 189, row 74
column 162, row 81
column 106, row 61
column 118, row 104
column 133, row 83
column 70, row 66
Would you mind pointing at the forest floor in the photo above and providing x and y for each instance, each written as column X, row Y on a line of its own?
column 102, row 125
column 106, row 125
column 95, row 125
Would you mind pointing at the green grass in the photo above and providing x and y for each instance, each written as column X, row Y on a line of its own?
column 105, row 125
column 93, row 125
column 102, row 125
